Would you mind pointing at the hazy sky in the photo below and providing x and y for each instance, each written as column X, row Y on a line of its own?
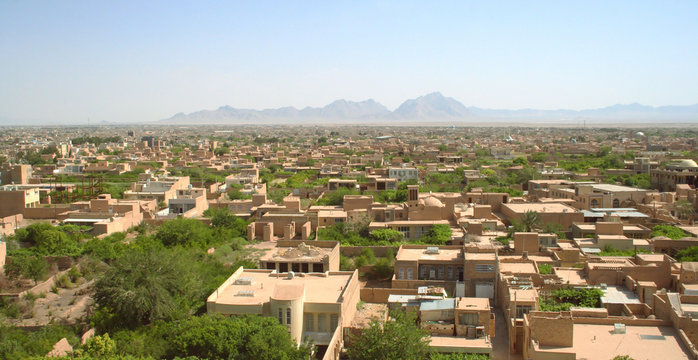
column 65, row 61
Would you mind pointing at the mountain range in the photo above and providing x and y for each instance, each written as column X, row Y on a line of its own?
column 433, row 107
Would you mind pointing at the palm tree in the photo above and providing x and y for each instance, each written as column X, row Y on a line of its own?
column 531, row 220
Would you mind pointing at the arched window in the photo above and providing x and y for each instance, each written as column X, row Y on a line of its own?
column 616, row 203
column 594, row 203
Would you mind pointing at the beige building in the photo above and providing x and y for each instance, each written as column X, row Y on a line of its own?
column 160, row 189
column 608, row 196
column 106, row 215
column 15, row 174
column 313, row 306
column 14, row 200
column 554, row 213
column 299, row 257
column 682, row 172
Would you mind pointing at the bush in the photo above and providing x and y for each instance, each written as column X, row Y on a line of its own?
column 545, row 269
column 564, row 299
column 672, row 232
column 387, row 236
column 345, row 264
column 439, row 234
column 383, row 268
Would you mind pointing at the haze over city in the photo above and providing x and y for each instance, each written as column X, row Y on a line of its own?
column 136, row 62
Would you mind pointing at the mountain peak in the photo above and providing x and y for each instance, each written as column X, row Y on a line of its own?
column 431, row 106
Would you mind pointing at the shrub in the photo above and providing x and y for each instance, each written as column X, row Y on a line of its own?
column 545, row 269
column 383, row 268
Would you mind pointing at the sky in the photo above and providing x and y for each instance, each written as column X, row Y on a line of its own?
column 137, row 61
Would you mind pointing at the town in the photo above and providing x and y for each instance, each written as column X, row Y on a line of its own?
column 349, row 242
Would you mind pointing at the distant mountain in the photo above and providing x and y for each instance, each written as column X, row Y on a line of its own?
column 626, row 113
column 434, row 107
column 431, row 106
column 338, row 110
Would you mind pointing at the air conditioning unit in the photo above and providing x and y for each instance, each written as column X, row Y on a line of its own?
column 244, row 281
column 249, row 293
column 432, row 250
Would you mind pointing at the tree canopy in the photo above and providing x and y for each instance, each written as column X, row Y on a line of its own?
column 397, row 338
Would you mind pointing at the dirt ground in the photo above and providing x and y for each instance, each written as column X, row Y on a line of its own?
column 66, row 306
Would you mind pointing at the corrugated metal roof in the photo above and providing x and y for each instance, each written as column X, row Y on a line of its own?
column 445, row 304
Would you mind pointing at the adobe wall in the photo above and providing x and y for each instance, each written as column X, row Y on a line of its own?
column 51, row 212
column 356, row 250
column 552, row 331
column 380, row 295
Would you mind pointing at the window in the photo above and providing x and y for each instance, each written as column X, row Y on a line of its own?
column 402, row 273
column 449, row 272
column 334, row 321
column 440, row 272
column 447, row 314
column 288, row 315
column 484, row 268
column 521, row 310
column 409, row 273
column 422, row 272
column 322, row 322
column 309, row 322
column 467, row 319
column 281, row 316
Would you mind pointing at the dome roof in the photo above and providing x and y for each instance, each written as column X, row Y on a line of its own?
column 432, row 201
column 687, row 163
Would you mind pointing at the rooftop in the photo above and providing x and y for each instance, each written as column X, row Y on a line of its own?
column 639, row 342
column 300, row 253
column 540, row 207
column 412, row 254
column 517, row 267
column 256, row 287
column 615, row 188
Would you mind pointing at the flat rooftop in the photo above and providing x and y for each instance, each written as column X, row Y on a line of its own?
column 571, row 276
column 541, row 207
column 639, row 342
column 300, row 253
column 453, row 344
column 319, row 288
column 517, row 267
column 616, row 188
column 406, row 254
column 473, row 303
column 618, row 295
column 469, row 256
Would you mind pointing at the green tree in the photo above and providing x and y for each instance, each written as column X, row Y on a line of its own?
column 143, row 286
column 439, row 234
column 57, row 243
column 688, row 254
column 397, row 338
column 387, row 236
column 531, row 220
column 672, row 232
column 183, row 231
column 231, row 337
column 36, row 268
column 33, row 267
column 99, row 346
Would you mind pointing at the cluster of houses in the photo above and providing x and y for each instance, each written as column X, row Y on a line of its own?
column 473, row 295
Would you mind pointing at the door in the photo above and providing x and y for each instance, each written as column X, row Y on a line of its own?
column 484, row 290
